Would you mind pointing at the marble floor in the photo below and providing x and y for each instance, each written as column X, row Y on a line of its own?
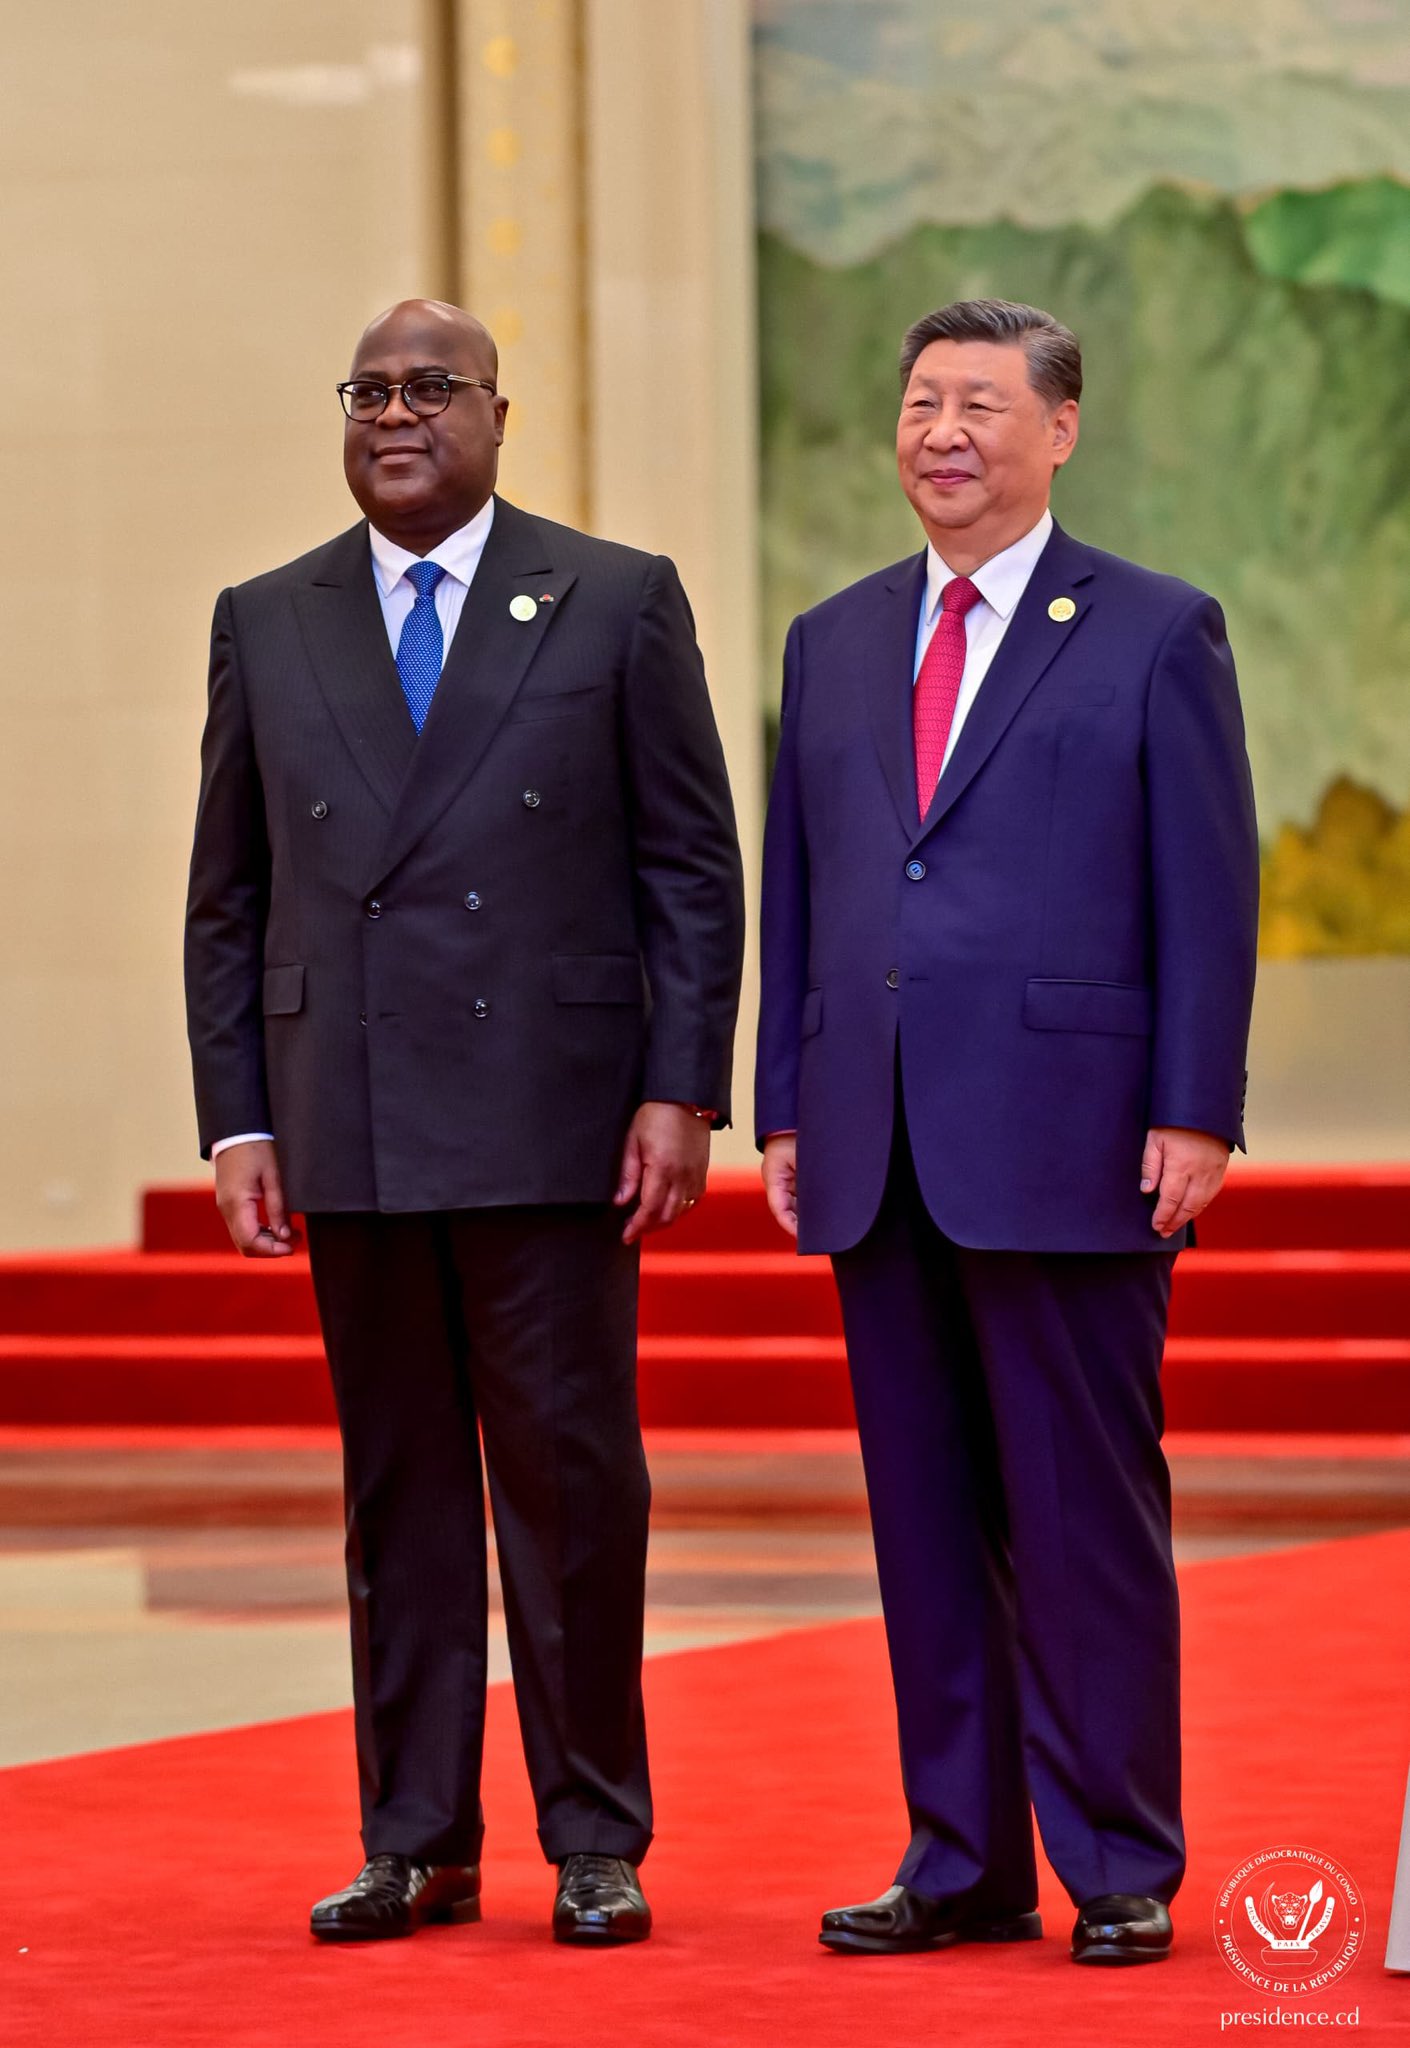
column 151, row 1587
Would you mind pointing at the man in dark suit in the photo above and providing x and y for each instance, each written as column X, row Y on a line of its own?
column 1010, row 900
column 463, row 955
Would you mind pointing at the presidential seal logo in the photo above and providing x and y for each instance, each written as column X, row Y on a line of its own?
column 1289, row 1922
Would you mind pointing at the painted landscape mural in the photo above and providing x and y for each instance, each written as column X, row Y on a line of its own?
column 1218, row 201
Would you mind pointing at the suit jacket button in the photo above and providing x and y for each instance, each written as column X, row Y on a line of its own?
column 531, row 799
column 362, row 1018
column 320, row 809
column 374, row 909
column 893, row 977
column 472, row 899
column 915, row 869
column 482, row 1008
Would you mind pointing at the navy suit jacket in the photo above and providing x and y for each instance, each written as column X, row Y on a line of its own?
column 1063, row 949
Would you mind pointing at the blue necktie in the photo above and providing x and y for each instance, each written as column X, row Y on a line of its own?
column 421, row 647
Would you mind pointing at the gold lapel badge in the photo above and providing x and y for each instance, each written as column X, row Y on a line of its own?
column 523, row 608
column 1062, row 609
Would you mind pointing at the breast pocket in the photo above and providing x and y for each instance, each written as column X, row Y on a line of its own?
column 1077, row 697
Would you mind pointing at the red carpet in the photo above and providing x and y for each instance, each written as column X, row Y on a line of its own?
column 157, row 1896
column 1297, row 1208
column 1294, row 1315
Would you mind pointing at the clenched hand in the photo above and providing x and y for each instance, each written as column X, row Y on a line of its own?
column 245, row 1176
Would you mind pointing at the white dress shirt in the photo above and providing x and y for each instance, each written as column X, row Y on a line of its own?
column 1001, row 582
column 459, row 555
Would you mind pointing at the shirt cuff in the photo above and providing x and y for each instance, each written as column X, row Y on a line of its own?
column 241, row 1138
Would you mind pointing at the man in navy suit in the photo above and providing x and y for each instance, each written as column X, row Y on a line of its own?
column 1009, row 923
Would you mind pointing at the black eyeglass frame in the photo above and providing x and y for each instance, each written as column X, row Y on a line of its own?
column 447, row 377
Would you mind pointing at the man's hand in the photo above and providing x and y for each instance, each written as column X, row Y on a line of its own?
column 1188, row 1167
column 245, row 1176
column 664, row 1163
column 780, row 1171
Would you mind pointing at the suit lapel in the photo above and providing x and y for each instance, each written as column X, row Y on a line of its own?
column 1033, row 640
column 888, row 658
column 341, row 621
column 488, row 659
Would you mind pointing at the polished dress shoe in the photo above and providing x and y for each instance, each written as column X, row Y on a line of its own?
column 599, row 1901
column 1121, row 1927
column 392, row 1896
column 901, row 1922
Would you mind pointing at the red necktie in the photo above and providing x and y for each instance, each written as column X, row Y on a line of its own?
column 937, row 687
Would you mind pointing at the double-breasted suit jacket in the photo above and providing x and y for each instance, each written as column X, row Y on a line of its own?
column 445, row 969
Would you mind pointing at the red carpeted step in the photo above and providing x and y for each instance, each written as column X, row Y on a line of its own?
column 1289, row 1208
column 1294, row 1315
column 181, row 1219
column 129, row 1294
column 1310, row 1208
column 1291, row 1294
column 732, row 1217
column 1245, row 1294
column 230, row 1382
column 1324, row 1385
column 1317, row 1385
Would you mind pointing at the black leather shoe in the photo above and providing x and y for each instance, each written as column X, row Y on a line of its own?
column 901, row 1922
column 1121, row 1927
column 392, row 1896
column 599, row 1901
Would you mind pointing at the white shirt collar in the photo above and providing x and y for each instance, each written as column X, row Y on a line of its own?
column 1001, row 581
column 458, row 554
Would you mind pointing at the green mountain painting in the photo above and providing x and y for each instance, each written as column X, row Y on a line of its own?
column 1247, row 342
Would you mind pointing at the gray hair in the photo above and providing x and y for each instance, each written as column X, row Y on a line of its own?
column 1054, row 356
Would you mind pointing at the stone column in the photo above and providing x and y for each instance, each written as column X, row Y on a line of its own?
column 603, row 194
column 673, row 458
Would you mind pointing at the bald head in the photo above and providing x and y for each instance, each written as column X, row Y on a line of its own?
column 435, row 318
column 420, row 475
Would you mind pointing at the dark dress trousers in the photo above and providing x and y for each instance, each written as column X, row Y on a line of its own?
column 971, row 1021
column 444, row 971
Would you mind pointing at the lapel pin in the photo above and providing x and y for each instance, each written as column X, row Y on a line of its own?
column 547, row 597
column 1062, row 609
column 522, row 608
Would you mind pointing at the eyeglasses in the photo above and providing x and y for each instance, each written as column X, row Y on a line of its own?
column 365, row 398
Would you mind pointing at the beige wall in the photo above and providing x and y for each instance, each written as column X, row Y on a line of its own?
column 198, row 210
column 1329, row 1061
